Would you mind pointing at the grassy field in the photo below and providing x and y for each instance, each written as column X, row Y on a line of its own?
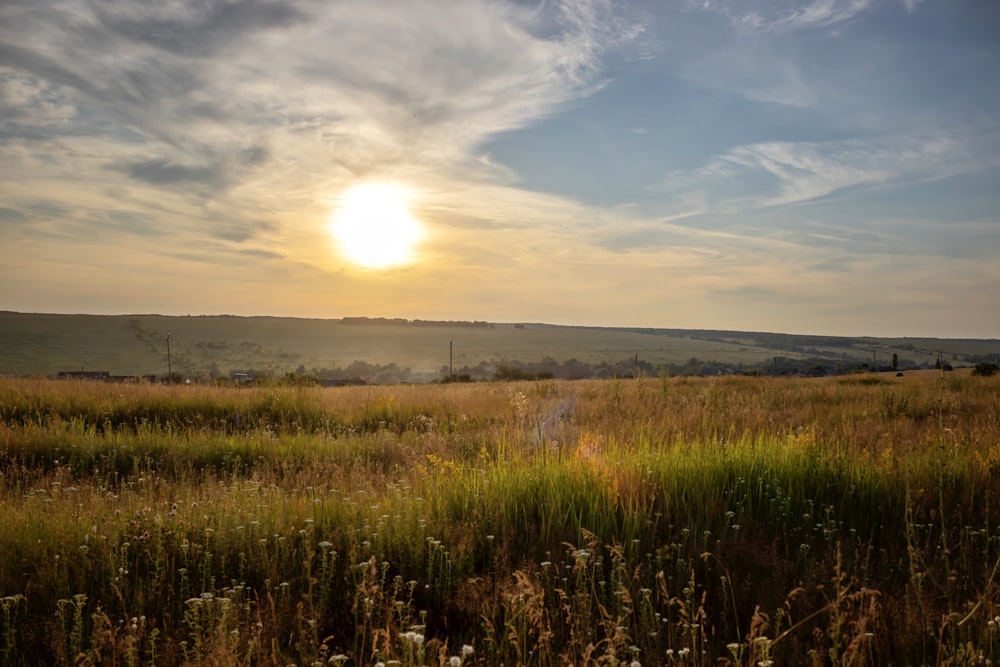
column 38, row 344
column 685, row 521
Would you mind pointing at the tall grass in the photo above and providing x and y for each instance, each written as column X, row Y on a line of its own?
column 670, row 521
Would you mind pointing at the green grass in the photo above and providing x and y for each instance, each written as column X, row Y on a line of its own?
column 44, row 344
column 690, row 521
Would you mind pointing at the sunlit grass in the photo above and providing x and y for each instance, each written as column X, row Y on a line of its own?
column 684, row 521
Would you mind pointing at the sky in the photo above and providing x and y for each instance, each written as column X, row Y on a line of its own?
column 800, row 166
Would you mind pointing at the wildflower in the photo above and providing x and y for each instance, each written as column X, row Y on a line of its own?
column 454, row 661
column 635, row 663
column 467, row 650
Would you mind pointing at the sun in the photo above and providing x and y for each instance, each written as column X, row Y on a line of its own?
column 373, row 227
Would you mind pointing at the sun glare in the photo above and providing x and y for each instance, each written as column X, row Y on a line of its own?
column 373, row 227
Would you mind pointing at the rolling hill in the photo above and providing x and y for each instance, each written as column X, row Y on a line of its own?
column 45, row 344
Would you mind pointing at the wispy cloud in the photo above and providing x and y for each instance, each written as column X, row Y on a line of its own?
column 818, row 14
column 782, row 173
column 753, row 71
column 213, row 99
column 405, row 56
column 784, row 15
column 29, row 103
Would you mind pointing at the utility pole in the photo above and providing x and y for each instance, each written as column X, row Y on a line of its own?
column 170, row 370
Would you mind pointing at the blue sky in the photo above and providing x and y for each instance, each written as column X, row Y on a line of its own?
column 806, row 166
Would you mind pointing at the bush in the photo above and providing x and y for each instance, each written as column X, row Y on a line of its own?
column 986, row 369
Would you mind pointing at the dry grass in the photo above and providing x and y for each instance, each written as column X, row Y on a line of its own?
column 662, row 521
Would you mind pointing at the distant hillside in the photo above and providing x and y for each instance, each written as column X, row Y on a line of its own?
column 44, row 344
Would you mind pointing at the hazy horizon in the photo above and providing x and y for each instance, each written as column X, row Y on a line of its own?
column 823, row 167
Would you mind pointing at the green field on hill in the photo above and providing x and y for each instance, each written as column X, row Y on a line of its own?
column 45, row 344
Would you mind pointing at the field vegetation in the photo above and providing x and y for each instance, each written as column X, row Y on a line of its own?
column 206, row 347
column 656, row 521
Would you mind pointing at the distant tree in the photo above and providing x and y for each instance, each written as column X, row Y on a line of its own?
column 895, row 361
column 574, row 368
column 507, row 372
column 986, row 369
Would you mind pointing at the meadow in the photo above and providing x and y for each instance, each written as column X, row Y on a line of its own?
column 208, row 346
column 659, row 521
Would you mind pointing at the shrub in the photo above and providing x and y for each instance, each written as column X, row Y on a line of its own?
column 985, row 369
